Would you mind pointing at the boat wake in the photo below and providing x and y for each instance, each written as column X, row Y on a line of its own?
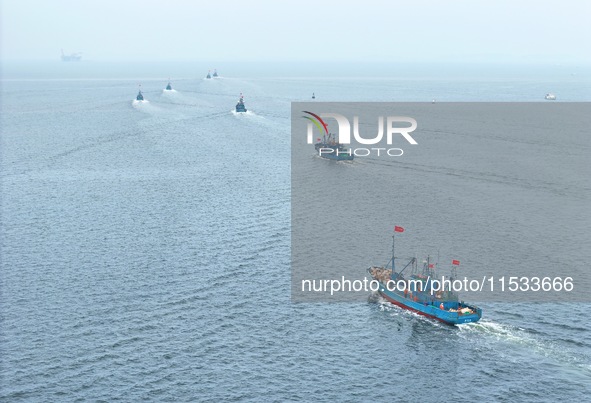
column 472, row 175
column 513, row 335
column 510, row 336
column 138, row 104
column 497, row 330
column 505, row 333
column 146, row 107
column 247, row 113
column 165, row 91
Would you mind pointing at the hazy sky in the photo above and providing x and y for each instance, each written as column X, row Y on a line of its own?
column 518, row 31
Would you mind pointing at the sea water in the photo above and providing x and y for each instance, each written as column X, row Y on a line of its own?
column 145, row 250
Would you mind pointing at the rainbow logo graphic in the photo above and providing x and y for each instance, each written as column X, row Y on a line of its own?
column 318, row 122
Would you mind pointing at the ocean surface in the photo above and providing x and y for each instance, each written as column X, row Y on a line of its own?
column 145, row 251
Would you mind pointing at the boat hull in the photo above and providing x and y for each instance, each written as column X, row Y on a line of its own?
column 342, row 157
column 430, row 311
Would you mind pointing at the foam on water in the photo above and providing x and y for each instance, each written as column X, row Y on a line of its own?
column 512, row 336
column 138, row 104
column 248, row 113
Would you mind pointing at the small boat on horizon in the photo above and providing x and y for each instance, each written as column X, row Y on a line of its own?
column 215, row 73
column 72, row 57
column 240, row 107
column 168, row 86
column 208, row 76
column 313, row 96
column 140, row 96
column 550, row 97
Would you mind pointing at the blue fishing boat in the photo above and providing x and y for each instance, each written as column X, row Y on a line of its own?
column 168, row 87
column 240, row 107
column 208, row 76
column 215, row 73
column 416, row 294
column 140, row 96
column 329, row 147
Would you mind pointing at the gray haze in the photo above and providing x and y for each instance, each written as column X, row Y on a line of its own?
column 261, row 30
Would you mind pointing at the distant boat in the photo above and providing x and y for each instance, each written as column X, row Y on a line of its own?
column 550, row 97
column 313, row 96
column 330, row 148
column 208, row 74
column 240, row 107
column 168, row 87
column 73, row 57
column 215, row 73
column 140, row 96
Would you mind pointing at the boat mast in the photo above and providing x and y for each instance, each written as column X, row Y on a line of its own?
column 393, row 238
column 396, row 229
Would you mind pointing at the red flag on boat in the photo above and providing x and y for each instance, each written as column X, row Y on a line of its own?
column 318, row 139
column 432, row 266
column 455, row 262
column 398, row 229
